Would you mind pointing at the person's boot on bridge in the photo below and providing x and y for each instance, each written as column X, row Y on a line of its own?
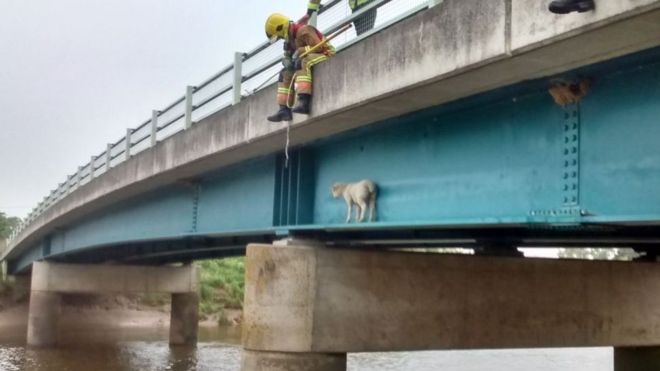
column 299, row 58
column 568, row 6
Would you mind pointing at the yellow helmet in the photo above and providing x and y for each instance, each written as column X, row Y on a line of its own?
column 277, row 27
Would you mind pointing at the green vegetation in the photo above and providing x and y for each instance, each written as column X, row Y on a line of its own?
column 221, row 287
column 7, row 225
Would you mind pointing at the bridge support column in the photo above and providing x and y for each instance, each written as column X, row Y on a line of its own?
column 316, row 300
column 637, row 359
column 43, row 318
column 184, row 318
column 51, row 280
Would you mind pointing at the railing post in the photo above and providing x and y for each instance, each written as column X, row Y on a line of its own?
column 92, row 166
column 69, row 185
column 313, row 19
column 154, row 128
column 79, row 176
column 189, row 106
column 108, row 156
column 60, row 192
column 127, row 150
column 238, row 76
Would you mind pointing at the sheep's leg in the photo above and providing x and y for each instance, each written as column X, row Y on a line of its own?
column 372, row 207
column 363, row 210
column 349, row 206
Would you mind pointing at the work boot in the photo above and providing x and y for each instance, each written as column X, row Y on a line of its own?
column 284, row 114
column 303, row 104
column 567, row 6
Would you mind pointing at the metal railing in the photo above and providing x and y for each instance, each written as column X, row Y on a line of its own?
column 248, row 73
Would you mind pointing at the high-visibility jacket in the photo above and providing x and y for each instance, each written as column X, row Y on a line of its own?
column 303, row 38
column 354, row 4
column 314, row 5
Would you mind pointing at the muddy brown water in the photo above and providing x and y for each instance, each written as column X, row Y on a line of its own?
column 218, row 350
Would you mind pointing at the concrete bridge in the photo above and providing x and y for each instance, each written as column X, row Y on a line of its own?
column 448, row 111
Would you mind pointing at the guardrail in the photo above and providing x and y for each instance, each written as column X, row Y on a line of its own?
column 249, row 73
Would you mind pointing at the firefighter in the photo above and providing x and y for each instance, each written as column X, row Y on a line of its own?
column 568, row 6
column 366, row 21
column 298, row 38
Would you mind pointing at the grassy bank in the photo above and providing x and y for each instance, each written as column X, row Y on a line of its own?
column 221, row 287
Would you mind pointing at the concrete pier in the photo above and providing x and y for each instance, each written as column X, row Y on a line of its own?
column 184, row 318
column 306, row 299
column 51, row 280
column 43, row 318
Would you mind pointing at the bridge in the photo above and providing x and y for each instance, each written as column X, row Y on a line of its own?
column 447, row 108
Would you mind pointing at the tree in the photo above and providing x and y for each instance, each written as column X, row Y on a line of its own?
column 7, row 225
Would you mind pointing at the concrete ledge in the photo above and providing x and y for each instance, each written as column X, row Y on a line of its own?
column 457, row 49
column 95, row 279
column 305, row 299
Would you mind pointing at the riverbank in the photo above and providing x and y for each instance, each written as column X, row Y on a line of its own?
column 221, row 301
column 99, row 319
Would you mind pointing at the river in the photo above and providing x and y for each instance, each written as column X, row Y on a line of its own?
column 218, row 350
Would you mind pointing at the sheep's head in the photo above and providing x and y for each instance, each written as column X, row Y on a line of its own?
column 337, row 189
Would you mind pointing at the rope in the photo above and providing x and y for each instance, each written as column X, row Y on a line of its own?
column 286, row 146
column 291, row 86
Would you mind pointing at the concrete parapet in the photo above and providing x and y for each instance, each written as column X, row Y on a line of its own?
column 269, row 361
column 302, row 299
column 51, row 280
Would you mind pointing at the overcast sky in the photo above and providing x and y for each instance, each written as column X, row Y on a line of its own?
column 74, row 74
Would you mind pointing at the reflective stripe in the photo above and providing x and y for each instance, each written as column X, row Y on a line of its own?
column 357, row 3
column 283, row 90
column 312, row 6
column 316, row 61
column 303, row 78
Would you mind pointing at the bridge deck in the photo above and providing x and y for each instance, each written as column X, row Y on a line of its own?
column 508, row 158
